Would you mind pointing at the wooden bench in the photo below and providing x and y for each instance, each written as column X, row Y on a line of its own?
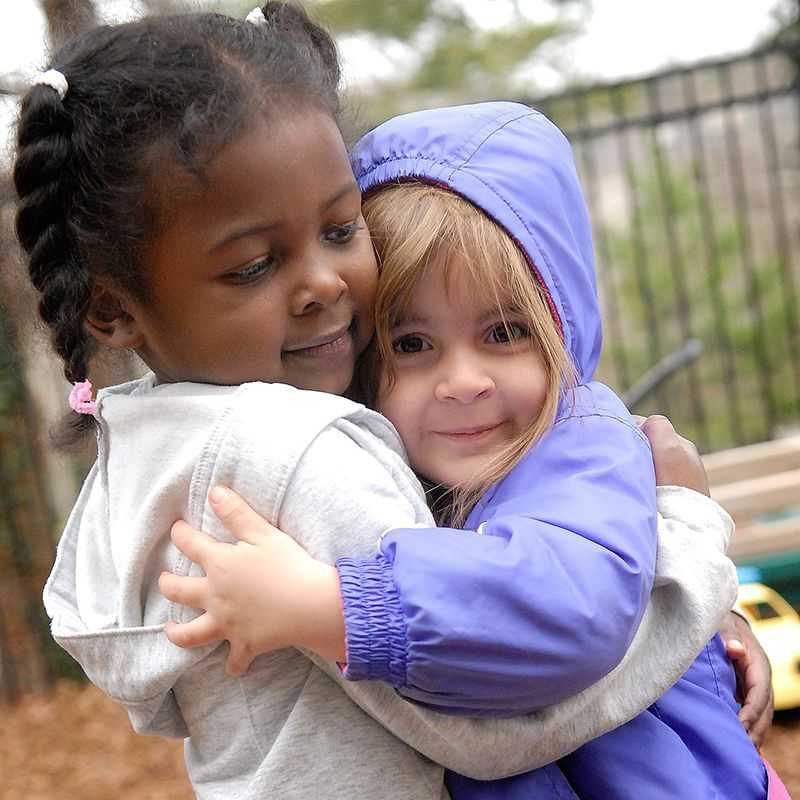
column 759, row 485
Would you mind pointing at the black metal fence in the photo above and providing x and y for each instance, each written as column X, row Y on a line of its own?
column 693, row 180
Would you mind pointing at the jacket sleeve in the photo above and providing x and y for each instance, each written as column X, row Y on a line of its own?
column 695, row 587
column 537, row 602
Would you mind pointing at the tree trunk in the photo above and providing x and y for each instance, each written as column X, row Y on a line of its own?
column 67, row 18
column 40, row 368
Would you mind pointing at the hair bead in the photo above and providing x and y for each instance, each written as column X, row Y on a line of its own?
column 55, row 80
column 80, row 398
column 256, row 17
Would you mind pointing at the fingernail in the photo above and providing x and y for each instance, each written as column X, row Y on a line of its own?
column 735, row 643
column 218, row 494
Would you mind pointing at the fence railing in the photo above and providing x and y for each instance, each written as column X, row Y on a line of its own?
column 693, row 180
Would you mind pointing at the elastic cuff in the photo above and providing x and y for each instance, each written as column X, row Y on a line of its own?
column 374, row 624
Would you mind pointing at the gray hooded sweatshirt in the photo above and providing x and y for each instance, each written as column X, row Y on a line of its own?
column 333, row 475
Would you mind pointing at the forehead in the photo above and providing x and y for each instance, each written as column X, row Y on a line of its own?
column 294, row 161
column 282, row 169
column 449, row 285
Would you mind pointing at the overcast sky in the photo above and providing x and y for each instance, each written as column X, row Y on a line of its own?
column 623, row 37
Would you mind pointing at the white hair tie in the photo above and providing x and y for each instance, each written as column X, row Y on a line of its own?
column 256, row 17
column 54, row 79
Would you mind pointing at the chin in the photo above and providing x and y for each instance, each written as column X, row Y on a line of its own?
column 330, row 384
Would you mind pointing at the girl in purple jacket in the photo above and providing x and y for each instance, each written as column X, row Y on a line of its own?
column 488, row 337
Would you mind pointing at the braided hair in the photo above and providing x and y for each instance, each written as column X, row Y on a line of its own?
column 173, row 90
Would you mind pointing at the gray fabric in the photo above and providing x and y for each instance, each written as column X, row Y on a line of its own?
column 332, row 474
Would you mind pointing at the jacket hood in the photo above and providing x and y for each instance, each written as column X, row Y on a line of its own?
column 102, row 596
column 513, row 163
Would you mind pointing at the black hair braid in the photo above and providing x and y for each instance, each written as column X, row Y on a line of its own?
column 42, row 176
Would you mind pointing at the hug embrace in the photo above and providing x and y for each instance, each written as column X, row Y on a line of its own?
column 489, row 581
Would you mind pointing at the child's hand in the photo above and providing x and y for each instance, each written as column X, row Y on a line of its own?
column 753, row 676
column 676, row 459
column 261, row 594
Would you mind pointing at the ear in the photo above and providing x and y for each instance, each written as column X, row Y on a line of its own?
column 110, row 321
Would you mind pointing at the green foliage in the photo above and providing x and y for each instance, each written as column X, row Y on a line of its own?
column 444, row 55
column 668, row 266
column 390, row 20
column 464, row 57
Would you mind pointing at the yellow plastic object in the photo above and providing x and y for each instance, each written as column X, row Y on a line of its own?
column 777, row 626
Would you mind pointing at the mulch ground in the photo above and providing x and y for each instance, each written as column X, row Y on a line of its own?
column 75, row 743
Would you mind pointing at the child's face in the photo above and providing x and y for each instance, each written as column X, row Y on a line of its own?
column 267, row 272
column 464, row 388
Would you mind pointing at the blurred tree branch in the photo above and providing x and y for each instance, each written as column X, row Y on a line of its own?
column 67, row 18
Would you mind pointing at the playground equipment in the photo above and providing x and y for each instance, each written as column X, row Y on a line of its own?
column 777, row 626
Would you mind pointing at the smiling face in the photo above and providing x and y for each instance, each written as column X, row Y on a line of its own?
column 267, row 272
column 467, row 383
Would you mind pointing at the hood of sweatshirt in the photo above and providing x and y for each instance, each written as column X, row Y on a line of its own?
column 514, row 164
column 160, row 449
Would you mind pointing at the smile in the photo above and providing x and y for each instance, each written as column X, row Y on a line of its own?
column 469, row 434
column 334, row 343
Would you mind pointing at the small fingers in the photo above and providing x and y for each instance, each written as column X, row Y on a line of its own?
column 758, row 729
column 658, row 421
column 188, row 591
column 756, row 711
column 658, row 430
column 192, row 543
column 239, row 660
column 244, row 523
column 735, row 650
column 198, row 632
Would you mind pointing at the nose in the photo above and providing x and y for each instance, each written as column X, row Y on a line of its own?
column 319, row 285
column 464, row 380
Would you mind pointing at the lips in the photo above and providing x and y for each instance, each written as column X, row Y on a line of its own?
column 332, row 343
column 470, row 432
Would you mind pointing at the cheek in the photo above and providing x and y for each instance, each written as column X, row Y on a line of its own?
column 363, row 278
column 535, row 394
column 395, row 402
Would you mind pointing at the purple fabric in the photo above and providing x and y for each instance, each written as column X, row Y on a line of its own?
column 542, row 594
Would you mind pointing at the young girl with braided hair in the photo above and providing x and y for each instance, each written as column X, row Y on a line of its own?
column 185, row 192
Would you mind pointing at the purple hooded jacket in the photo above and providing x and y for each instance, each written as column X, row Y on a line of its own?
column 545, row 601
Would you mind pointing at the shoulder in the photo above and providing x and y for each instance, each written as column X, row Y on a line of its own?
column 593, row 435
column 267, row 432
column 594, row 406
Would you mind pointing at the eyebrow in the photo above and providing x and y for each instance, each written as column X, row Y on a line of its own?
column 418, row 319
column 352, row 186
column 251, row 230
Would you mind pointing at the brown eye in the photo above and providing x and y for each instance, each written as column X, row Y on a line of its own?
column 409, row 344
column 505, row 333
column 342, row 234
column 252, row 272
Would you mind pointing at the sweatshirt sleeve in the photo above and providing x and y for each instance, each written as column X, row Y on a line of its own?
column 535, row 603
column 693, row 593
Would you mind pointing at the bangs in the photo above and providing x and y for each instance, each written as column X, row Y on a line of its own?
column 417, row 227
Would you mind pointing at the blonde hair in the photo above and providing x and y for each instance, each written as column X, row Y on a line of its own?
column 412, row 224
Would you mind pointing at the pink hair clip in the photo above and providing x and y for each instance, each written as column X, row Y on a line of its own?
column 80, row 398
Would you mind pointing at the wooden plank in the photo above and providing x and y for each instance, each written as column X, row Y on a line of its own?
column 763, row 540
column 769, row 493
column 753, row 461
